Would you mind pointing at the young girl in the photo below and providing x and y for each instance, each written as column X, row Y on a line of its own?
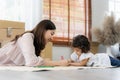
column 81, row 54
column 24, row 49
column 83, row 57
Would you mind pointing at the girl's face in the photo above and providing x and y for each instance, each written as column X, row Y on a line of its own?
column 49, row 35
column 78, row 51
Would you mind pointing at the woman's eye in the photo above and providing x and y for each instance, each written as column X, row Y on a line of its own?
column 51, row 34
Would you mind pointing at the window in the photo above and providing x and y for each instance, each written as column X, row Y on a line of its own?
column 114, row 6
column 71, row 17
column 27, row 11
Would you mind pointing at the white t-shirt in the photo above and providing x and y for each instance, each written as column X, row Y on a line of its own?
column 99, row 60
column 114, row 50
column 75, row 58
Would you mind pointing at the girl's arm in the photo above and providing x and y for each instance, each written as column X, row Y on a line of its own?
column 81, row 63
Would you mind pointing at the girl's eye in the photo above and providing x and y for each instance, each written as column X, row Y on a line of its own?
column 77, row 50
column 52, row 33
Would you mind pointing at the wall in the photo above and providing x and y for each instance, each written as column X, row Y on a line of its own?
column 59, row 51
column 99, row 10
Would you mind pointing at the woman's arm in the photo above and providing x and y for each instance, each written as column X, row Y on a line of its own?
column 28, row 50
column 81, row 63
column 56, row 63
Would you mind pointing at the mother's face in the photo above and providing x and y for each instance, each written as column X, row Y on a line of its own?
column 49, row 35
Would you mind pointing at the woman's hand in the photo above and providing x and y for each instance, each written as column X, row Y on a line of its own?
column 63, row 63
column 56, row 63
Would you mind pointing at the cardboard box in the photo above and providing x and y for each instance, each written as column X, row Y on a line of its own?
column 9, row 29
column 94, row 47
column 47, row 52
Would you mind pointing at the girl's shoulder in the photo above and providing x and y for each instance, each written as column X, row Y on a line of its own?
column 74, row 54
column 88, row 54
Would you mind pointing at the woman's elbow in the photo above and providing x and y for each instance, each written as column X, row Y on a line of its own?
column 37, row 63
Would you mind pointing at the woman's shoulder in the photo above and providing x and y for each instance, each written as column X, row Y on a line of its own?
column 28, row 35
column 25, row 38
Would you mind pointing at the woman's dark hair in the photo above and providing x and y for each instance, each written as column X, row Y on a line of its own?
column 39, row 32
column 81, row 42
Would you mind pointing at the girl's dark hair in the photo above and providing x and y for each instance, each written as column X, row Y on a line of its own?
column 39, row 32
column 81, row 42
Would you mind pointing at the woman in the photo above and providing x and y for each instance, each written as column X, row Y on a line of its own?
column 24, row 49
